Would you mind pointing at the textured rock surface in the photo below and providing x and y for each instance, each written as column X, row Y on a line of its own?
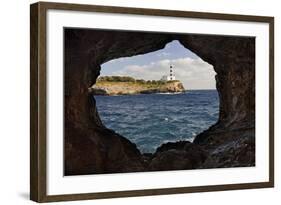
column 177, row 156
column 92, row 148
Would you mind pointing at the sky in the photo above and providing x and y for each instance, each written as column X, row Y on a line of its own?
column 191, row 70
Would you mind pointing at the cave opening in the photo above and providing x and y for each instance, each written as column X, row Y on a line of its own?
column 130, row 102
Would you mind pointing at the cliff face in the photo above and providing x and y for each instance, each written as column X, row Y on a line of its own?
column 104, row 87
column 92, row 148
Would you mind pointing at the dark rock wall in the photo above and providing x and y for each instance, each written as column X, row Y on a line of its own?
column 234, row 62
column 92, row 148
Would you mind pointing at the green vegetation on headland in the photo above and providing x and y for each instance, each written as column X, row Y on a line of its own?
column 125, row 85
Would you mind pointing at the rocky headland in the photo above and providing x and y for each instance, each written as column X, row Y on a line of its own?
column 124, row 85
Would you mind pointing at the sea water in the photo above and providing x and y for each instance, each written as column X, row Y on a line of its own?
column 149, row 120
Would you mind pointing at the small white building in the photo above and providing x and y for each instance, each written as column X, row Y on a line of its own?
column 164, row 78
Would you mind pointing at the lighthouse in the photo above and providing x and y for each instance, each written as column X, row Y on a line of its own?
column 171, row 75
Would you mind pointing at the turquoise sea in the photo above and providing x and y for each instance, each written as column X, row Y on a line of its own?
column 152, row 119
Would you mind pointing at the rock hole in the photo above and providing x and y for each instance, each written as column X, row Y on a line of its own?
column 150, row 119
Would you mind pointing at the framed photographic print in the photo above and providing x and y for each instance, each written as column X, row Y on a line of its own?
column 134, row 102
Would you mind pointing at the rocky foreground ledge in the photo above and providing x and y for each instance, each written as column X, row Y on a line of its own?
column 117, row 85
column 210, row 149
column 235, row 149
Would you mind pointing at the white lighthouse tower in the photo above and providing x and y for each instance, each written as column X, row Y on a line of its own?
column 171, row 74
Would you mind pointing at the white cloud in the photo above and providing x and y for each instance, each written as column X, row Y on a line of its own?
column 163, row 54
column 194, row 73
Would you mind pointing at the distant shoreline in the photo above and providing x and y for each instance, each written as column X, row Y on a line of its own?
column 137, row 94
column 125, row 85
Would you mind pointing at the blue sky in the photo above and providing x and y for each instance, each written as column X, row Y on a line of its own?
column 188, row 67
